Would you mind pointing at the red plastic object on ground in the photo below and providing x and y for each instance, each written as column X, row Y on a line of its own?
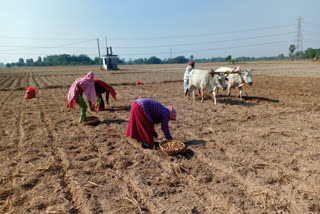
column 97, row 108
column 30, row 93
column 139, row 83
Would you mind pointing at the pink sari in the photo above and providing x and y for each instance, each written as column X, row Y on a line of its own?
column 82, row 85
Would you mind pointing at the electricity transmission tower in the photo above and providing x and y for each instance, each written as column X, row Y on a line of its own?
column 298, row 41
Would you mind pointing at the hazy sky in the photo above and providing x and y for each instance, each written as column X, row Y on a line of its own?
column 145, row 28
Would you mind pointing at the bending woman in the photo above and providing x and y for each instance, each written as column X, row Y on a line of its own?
column 80, row 86
column 144, row 114
column 102, row 87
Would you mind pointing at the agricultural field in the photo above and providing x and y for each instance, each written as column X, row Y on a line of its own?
column 258, row 155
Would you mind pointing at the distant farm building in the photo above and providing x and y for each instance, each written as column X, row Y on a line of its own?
column 110, row 61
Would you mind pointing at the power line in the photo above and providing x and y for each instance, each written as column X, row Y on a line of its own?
column 151, row 38
column 204, row 34
column 43, row 54
column 311, row 32
column 76, row 43
column 42, row 39
column 186, row 51
column 212, row 49
column 203, row 43
column 160, row 46
column 310, row 23
column 23, row 46
column 311, row 40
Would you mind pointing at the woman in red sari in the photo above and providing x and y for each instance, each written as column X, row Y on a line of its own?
column 144, row 114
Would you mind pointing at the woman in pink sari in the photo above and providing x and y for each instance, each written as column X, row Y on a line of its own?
column 82, row 85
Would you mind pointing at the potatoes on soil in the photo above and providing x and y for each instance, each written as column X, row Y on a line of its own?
column 173, row 145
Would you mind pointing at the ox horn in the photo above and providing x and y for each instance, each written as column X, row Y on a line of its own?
column 212, row 72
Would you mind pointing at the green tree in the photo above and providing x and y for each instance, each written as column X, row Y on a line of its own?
column 299, row 55
column 29, row 62
column 191, row 57
column 154, row 60
column 310, row 53
column 20, row 62
column 292, row 48
column 281, row 56
column 96, row 61
column 139, row 61
column 228, row 58
column 179, row 59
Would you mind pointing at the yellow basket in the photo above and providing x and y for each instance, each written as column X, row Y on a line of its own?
column 180, row 146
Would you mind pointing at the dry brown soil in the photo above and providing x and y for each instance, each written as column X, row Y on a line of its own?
column 259, row 155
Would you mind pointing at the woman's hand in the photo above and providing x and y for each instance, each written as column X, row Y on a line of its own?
column 155, row 135
column 91, row 106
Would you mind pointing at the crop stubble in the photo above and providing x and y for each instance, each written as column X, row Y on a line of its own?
column 257, row 155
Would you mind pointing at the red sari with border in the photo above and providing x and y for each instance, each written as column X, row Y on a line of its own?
column 139, row 127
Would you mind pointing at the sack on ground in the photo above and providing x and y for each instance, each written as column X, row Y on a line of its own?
column 30, row 93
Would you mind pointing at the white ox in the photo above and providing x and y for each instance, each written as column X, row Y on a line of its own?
column 236, row 78
column 208, row 80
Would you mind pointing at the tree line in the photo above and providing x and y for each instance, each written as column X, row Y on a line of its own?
column 55, row 60
column 66, row 59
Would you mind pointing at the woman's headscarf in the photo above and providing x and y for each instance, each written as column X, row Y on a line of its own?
column 173, row 113
column 191, row 63
column 87, row 86
column 90, row 76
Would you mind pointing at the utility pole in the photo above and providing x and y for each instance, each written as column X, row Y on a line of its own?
column 106, row 46
column 170, row 53
column 99, row 54
column 299, row 42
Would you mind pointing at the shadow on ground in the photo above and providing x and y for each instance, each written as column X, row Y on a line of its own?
column 133, row 72
column 187, row 153
column 119, row 108
column 231, row 100
column 194, row 142
column 260, row 99
column 114, row 121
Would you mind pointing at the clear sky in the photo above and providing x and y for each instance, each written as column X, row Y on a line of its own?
column 145, row 28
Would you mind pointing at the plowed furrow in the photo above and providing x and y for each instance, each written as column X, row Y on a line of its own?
column 38, row 82
column 18, row 81
column 6, row 97
column 48, row 81
column 76, row 182
column 53, row 139
column 4, row 82
column 57, row 81
column 21, row 80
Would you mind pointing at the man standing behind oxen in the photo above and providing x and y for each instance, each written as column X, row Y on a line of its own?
column 186, row 77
